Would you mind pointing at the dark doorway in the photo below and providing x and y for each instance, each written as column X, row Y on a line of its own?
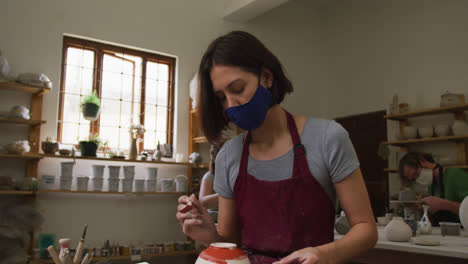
column 367, row 131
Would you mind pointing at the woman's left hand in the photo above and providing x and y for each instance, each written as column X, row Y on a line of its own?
column 308, row 255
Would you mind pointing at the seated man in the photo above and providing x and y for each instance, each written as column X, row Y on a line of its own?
column 447, row 187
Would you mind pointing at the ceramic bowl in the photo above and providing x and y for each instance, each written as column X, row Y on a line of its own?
column 449, row 229
column 410, row 132
column 426, row 132
column 442, row 130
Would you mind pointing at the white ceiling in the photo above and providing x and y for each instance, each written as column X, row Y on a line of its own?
column 245, row 10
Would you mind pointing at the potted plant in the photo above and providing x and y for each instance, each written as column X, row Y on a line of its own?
column 49, row 146
column 136, row 133
column 90, row 106
column 89, row 148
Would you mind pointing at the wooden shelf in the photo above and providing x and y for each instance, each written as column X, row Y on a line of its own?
column 390, row 170
column 143, row 256
column 116, row 160
column 193, row 111
column 102, row 192
column 21, row 121
column 200, row 140
column 25, row 156
column 202, row 166
column 430, row 111
column 425, row 140
column 11, row 192
column 15, row 86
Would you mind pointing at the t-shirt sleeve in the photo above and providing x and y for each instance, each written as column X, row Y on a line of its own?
column 221, row 179
column 341, row 157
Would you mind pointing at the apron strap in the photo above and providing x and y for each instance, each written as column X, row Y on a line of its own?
column 299, row 149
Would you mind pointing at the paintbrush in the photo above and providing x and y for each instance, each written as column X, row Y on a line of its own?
column 53, row 255
column 85, row 259
column 79, row 248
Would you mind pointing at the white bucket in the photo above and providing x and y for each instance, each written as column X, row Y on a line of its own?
column 113, row 184
column 139, row 185
column 181, row 183
column 82, row 183
column 167, row 185
column 66, row 183
column 67, row 169
column 127, row 185
column 98, row 171
column 97, row 184
column 114, row 172
column 129, row 172
column 152, row 173
column 151, row 185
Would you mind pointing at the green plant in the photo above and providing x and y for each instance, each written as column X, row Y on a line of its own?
column 91, row 98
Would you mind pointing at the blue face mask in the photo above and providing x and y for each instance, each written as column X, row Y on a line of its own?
column 251, row 115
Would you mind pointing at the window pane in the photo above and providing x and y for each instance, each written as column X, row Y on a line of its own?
column 110, row 112
column 163, row 73
column 72, row 108
column 162, row 93
column 161, row 136
column 84, row 132
column 150, row 140
column 128, row 117
column 150, row 117
column 110, row 134
column 73, row 79
column 111, row 77
column 79, row 69
column 69, row 133
column 161, row 118
column 151, row 91
column 124, row 138
column 128, row 82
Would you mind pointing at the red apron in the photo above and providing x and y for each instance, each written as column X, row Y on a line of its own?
column 279, row 217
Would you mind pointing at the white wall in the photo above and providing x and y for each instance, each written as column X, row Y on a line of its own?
column 32, row 41
column 416, row 48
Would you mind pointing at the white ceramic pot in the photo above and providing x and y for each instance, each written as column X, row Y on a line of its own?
column 98, row 171
column 139, row 185
column 448, row 99
column 151, row 185
column 181, row 183
column 460, row 128
column 410, row 132
column 127, row 185
column 129, row 172
column 67, row 169
column 222, row 253
column 463, row 212
column 114, row 172
column 442, row 130
column 19, row 111
column 166, row 185
column 66, row 183
column 151, row 173
column 82, row 183
column 426, row 132
column 397, row 230
column 97, row 184
column 113, row 184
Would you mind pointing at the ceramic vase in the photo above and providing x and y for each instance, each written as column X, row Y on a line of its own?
column 424, row 226
column 133, row 151
column 341, row 224
column 222, row 253
column 397, row 230
column 463, row 212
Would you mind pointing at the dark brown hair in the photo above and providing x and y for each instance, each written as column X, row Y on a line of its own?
column 242, row 50
column 413, row 160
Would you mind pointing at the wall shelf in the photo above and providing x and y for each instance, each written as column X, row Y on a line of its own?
column 391, row 170
column 430, row 111
column 6, row 120
column 425, row 140
column 116, row 160
column 15, row 86
column 102, row 192
column 143, row 257
column 25, row 156
column 12, row 192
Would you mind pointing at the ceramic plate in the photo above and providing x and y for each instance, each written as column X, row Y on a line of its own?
column 424, row 241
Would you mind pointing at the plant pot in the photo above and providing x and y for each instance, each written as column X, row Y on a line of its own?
column 49, row 147
column 90, row 111
column 88, row 148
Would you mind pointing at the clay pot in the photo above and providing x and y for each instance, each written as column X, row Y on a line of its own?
column 397, row 230
column 426, row 132
column 222, row 253
column 410, row 132
column 442, row 130
column 49, row 147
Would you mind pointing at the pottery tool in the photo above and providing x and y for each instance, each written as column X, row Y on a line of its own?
column 89, row 261
column 85, row 259
column 53, row 255
column 79, row 248
column 187, row 208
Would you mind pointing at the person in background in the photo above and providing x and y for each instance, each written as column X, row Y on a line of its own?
column 207, row 197
column 278, row 181
column 446, row 187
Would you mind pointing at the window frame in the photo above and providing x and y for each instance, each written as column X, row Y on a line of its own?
column 102, row 48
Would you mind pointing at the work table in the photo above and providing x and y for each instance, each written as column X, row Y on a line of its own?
column 452, row 248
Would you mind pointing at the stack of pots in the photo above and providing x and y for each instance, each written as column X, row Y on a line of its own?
column 98, row 177
column 127, row 181
column 151, row 179
column 66, row 176
column 113, row 180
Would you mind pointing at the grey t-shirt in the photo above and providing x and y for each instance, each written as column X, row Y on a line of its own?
column 330, row 155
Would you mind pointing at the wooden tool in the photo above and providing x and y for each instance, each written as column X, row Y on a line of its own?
column 85, row 259
column 53, row 255
column 79, row 248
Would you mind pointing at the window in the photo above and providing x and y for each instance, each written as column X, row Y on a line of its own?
column 135, row 87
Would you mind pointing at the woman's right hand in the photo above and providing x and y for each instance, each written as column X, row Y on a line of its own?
column 196, row 223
